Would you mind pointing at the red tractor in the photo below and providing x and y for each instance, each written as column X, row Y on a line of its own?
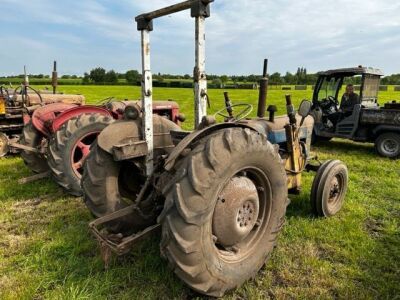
column 58, row 136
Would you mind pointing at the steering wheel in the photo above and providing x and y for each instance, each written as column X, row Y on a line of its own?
column 329, row 102
column 23, row 91
column 4, row 92
column 333, row 100
column 244, row 112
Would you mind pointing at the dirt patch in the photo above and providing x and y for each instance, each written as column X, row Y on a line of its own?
column 374, row 227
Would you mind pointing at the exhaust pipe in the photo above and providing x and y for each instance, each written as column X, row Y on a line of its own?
column 54, row 77
column 262, row 97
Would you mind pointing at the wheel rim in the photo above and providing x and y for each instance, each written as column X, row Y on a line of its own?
column 241, row 214
column 390, row 146
column 80, row 151
column 3, row 144
column 336, row 186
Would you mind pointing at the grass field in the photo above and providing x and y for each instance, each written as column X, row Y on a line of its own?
column 46, row 251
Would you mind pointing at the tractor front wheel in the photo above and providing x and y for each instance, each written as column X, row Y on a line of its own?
column 31, row 137
column 329, row 188
column 388, row 144
column 69, row 148
column 223, row 213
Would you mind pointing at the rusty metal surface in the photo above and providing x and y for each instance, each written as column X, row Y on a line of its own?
column 42, row 115
column 124, row 132
column 34, row 99
column 263, row 92
column 236, row 211
column 171, row 9
column 380, row 116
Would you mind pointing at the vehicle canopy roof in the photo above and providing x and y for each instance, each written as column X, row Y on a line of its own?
column 352, row 72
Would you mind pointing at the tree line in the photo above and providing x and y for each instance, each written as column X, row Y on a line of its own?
column 301, row 77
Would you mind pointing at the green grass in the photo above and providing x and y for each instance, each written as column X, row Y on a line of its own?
column 46, row 251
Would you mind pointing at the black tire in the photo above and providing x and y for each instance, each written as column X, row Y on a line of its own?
column 329, row 188
column 66, row 157
column 105, row 190
column 31, row 137
column 388, row 145
column 191, row 202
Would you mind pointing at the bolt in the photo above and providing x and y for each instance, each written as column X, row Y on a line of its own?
column 260, row 189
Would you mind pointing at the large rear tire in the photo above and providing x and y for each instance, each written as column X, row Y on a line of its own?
column 223, row 213
column 109, row 186
column 70, row 146
column 31, row 137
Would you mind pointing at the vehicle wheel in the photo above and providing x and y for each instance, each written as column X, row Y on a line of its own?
column 329, row 188
column 388, row 144
column 33, row 138
column 109, row 186
column 70, row 146
column 223, row 213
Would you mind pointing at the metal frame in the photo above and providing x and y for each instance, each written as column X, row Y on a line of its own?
column 200, row 10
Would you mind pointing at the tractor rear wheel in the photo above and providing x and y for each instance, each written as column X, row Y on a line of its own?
column 109, row 186
column 388, row 144
column 70, row 146
column 223, row 213
column 31, row 137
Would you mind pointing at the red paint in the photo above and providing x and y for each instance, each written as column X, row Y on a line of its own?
column 43, row 117
column 80, row 151
column 68, row 114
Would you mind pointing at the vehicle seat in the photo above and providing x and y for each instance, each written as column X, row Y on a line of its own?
column 349, row 125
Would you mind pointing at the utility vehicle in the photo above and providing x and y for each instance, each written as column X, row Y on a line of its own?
column 368, row 122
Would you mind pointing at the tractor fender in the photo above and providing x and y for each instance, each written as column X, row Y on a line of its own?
column 43, row 116
column 198, row 134
column 123, row 135
column 385, row 128
column 75, row 111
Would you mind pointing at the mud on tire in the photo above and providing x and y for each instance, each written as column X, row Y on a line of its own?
column 31, row 137
column 188, row 240
column 108, row 186
column 69, row 147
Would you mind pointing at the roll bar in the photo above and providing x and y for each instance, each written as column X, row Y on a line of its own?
column 200, row 10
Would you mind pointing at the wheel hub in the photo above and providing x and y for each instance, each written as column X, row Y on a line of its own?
column 334, row 190
column 80, row 151
column 236, row 211
column 390, row 146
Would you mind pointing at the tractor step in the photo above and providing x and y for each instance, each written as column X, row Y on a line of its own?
column 117, row 243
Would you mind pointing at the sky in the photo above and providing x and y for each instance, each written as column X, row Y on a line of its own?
column 84, row 34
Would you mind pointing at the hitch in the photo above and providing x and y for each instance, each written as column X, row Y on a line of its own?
column 117, row 243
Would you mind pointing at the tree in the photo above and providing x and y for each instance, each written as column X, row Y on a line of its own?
column 132, row 76
column 86, row 78
column 275, row 78
column 289, row 78
column 217, row 81
column 224, row 79
column 98, row 75
column 111, row 77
